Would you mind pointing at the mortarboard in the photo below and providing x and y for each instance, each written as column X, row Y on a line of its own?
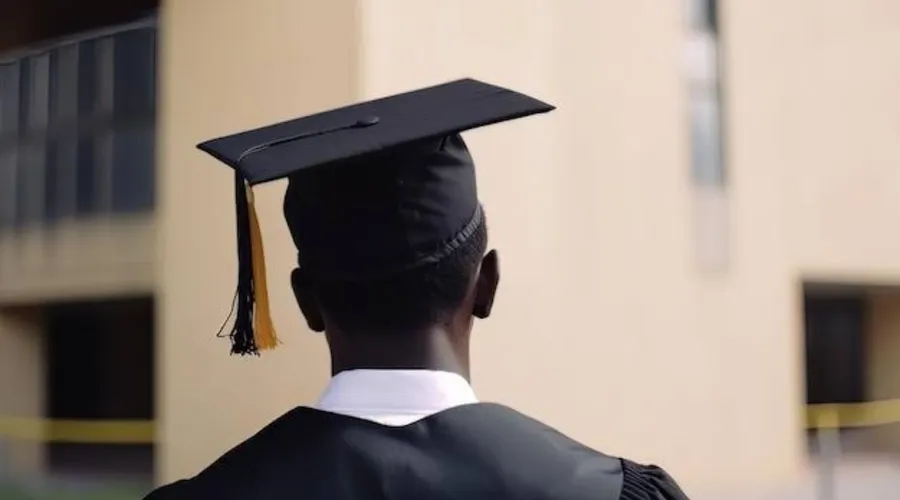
column 375, row 188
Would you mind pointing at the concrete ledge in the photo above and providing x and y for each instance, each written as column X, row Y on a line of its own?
column 108, row 256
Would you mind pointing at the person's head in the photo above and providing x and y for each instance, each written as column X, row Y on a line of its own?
column 408, row 319
column 383, row 208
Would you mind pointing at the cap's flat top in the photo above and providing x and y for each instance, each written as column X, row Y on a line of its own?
column 276, row 151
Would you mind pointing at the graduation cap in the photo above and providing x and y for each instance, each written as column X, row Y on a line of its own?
column 375, row 188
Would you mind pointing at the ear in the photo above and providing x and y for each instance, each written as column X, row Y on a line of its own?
column 486, row 285
column 306, row 298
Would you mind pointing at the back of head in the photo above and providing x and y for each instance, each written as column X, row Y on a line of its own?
column 390, row 243
column 407, row 302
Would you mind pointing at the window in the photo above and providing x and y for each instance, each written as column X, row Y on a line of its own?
column 703, row 15
column 9, row 133
column 708, row 172
column 702, row 61
column 77, row 127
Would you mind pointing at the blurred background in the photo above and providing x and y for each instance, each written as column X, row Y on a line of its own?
column 696, row 246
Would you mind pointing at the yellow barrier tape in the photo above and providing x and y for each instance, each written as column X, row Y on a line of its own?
column 79, row 431
column 823, row 416
column 868, row 414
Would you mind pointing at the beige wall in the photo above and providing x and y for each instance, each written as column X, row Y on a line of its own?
column 828, row 101
column 605, row 325
column 21, row 385
column 883, row 346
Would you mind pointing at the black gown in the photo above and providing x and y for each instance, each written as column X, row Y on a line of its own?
column 472, row 452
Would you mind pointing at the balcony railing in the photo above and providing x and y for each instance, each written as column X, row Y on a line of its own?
column 77, row 127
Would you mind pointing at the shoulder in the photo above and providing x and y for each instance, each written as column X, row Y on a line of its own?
column 497, row 425
column 609, row 474
column 173, row 491
column 249, row 459
column 648, row 482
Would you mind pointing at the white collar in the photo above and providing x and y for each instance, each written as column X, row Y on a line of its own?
column 395, row 397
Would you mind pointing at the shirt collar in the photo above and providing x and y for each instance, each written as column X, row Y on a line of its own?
column 417, row 392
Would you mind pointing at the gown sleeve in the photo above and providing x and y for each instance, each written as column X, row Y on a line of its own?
column 648, row 482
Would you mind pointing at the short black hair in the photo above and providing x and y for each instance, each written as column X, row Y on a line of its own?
column 407, row 302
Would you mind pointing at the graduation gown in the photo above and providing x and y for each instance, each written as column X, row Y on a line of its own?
column 472, row 452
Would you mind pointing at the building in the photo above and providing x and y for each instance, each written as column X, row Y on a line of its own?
column 656, row 275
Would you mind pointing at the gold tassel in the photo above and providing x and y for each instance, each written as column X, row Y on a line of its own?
column 263, row 328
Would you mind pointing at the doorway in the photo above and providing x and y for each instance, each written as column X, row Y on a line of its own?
column 100, row 366
column 835, row 326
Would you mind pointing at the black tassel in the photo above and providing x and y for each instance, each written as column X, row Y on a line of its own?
column 243, row 330
column 242, row 340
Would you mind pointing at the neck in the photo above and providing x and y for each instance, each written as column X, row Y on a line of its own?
column 433, row 349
